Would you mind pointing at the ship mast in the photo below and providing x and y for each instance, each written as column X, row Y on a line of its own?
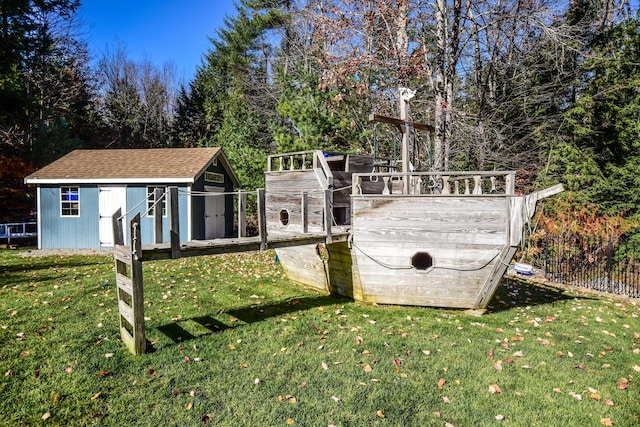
column 406, row 126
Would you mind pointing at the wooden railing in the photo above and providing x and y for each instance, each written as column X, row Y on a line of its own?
column 442, row 183
column 302, row 160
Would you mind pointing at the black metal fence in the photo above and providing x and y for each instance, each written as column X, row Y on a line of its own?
column 607, row 266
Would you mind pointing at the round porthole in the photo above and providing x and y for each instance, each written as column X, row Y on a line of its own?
column 421, row 261
column 284, row 217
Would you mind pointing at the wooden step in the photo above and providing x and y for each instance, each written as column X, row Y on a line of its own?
column 126, row 312
column 122, row 254
column 124, row 283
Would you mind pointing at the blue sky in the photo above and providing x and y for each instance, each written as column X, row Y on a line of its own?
column 157, row 30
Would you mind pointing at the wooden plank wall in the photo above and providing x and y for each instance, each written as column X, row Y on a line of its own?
column 284, row 191
column 462, row 234
column 304, row 265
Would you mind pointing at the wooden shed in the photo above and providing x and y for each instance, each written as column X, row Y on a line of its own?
column 78, row 193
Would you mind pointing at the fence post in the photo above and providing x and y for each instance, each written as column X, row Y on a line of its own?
column 158, row 194
column 174, row 222
column 116, row 224
column 304, row 208
column 262, row 219
column 328, row 214
column 242, row 213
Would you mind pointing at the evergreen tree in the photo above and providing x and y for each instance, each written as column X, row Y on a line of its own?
column 600, row 159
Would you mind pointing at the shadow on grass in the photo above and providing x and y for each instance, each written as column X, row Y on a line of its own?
column 520, row 292
column 196, row 327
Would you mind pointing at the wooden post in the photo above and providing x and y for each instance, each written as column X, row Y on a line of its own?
column 328, row 215
column 137, row 295
column 510, row 183
column 242, row 213
column 304, row 209
column 405, row 96
column 174, row 222
column 130, row 293
column 357, row 186
column 157, row 214
column 116, row 223
column 262, row 219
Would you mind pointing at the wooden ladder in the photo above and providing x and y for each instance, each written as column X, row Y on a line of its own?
column 128, row 260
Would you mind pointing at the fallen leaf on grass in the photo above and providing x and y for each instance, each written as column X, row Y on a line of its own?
column 46, row 416
column 24, row 353
column 636, row 368
column 287, row 397
column 498, row 366
column 367, row 368
column 335, row 398
column 606, row 422
column 494, row 389
column 441, row 382
column 379, row 413
column 609, row 402
column 557, row 390
column 188, row 406
column 325, row 366
column 95, row 396
column 290, row 421
column 499, row 417
column 104, row 373
column 108, row 355
column 595, row 396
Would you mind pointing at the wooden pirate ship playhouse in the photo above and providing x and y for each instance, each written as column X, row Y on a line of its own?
column 352, row 225
column 440, row 239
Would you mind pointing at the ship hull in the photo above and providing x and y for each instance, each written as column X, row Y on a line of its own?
column 467, row 242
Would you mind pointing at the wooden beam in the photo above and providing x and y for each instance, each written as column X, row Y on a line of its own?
column 158, row 194
column 304, row 208
column 262, row 219
column 328, row 213
column 399, row 122
column 116, row 223
column 174, row 222
column 242, row 213
column 137, row 303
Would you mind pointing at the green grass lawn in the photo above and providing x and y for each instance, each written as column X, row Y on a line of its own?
column 235, row 344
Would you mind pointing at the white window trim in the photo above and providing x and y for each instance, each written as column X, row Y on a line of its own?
column 164, row 201
column 62, row 202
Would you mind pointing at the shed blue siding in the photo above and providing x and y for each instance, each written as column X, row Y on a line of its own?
column 137, row 195
column 58, row 232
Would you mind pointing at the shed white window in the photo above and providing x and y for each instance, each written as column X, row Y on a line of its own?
column 151, row 201
column 69, row 201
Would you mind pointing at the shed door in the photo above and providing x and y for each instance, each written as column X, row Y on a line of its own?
column 214, row 223
column 110, row 199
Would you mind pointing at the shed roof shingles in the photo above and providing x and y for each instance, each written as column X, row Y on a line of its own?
column 129, row 164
